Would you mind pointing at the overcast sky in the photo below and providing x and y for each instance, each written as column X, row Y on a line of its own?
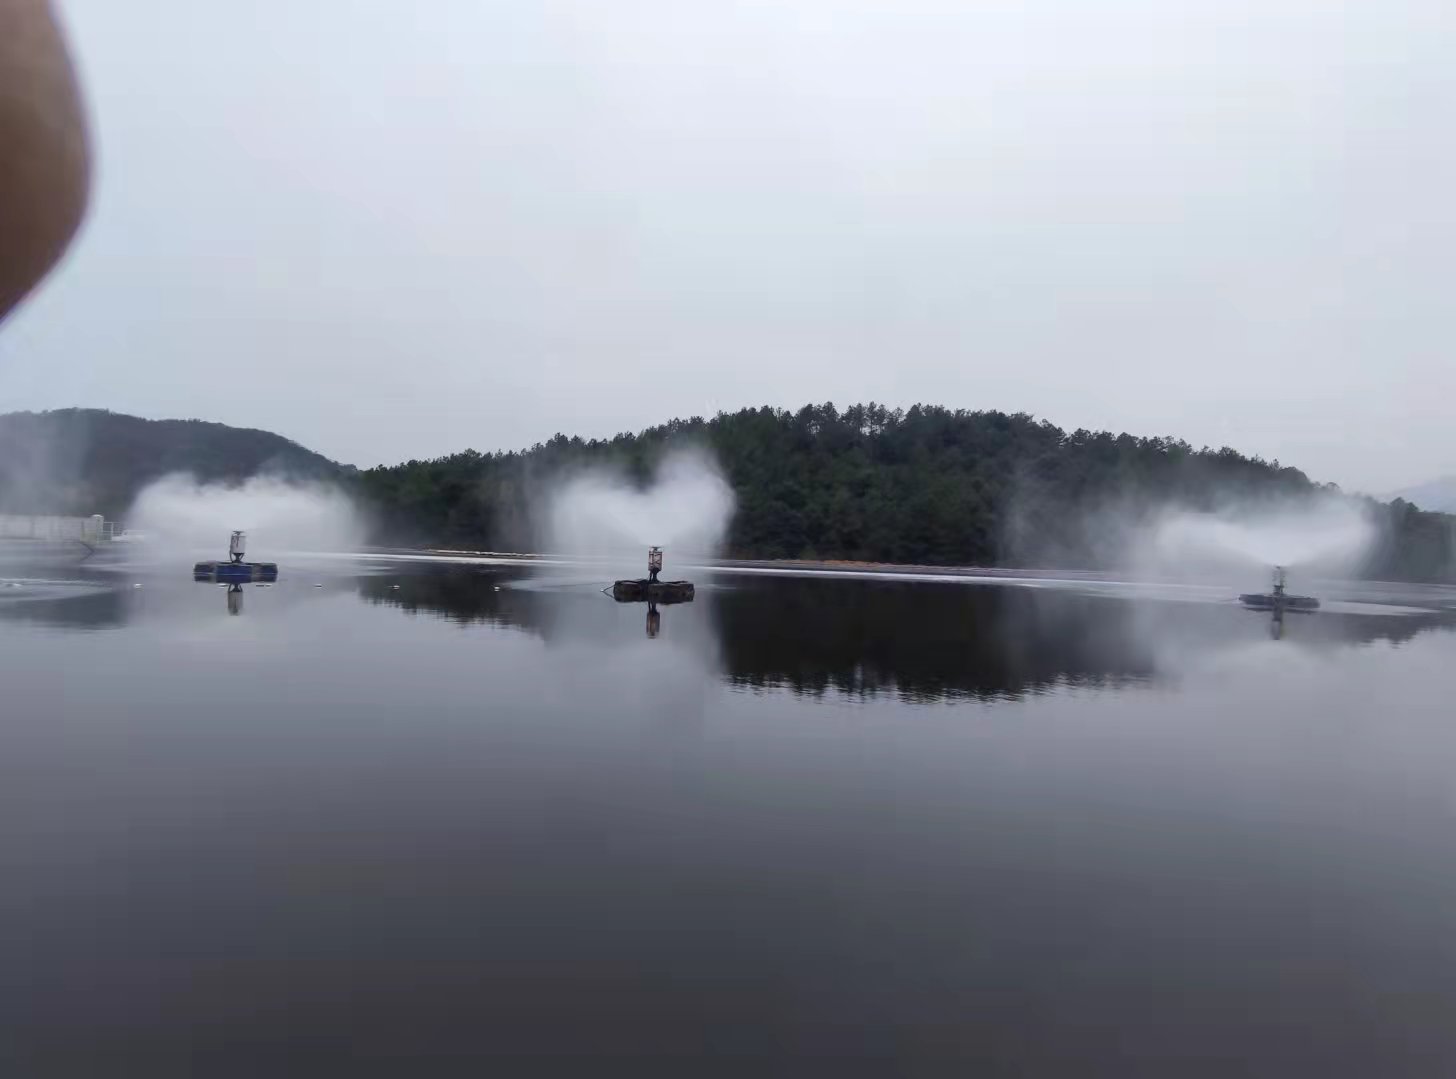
column 394, row 230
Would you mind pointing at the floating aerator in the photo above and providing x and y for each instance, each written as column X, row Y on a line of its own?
column 235, row 570
column 649, row 589
column 1278, row 599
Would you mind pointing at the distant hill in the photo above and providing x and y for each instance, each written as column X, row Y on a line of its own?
column 1438, row 496
column 924, row 485
column 84, row 461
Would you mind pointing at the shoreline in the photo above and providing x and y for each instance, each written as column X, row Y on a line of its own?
column 824, row 565
column 788, row 566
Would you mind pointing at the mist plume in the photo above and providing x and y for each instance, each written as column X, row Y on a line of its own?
column 687, row 507
column 1329, row 535
column 279, row 515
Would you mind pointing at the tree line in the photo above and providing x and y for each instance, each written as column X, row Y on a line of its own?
column 925, row 485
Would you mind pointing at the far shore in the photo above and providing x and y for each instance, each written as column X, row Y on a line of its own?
column 822, row 565
column 1111, row 575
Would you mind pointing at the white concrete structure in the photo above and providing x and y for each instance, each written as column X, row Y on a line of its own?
column 50, row 529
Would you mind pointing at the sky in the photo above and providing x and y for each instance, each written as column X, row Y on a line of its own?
column 395, row 230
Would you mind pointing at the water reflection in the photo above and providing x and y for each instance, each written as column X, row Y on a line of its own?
column 921, row 641
column 471, row 814
column 558, row 608
column 860, row 637
column 463, row 595
column 80, row 603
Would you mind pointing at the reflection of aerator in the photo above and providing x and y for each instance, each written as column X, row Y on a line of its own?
column 235, row 570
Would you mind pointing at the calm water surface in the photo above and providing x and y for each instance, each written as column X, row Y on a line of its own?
column 422, row 820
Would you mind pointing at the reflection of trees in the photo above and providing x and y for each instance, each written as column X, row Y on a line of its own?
column 930, row 641
column 923, row 641
column 458, row 594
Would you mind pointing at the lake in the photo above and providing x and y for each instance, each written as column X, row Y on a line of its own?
column 423, row 818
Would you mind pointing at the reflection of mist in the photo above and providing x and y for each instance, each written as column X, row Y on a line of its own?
column 557, row 608
column 919, row 641
column 157, row 599
column 80, row 604
column 607, row 646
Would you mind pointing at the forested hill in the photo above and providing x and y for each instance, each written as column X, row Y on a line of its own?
column 926, row 485
column 83, row 461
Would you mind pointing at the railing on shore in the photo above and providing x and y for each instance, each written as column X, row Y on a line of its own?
column 49, row 528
